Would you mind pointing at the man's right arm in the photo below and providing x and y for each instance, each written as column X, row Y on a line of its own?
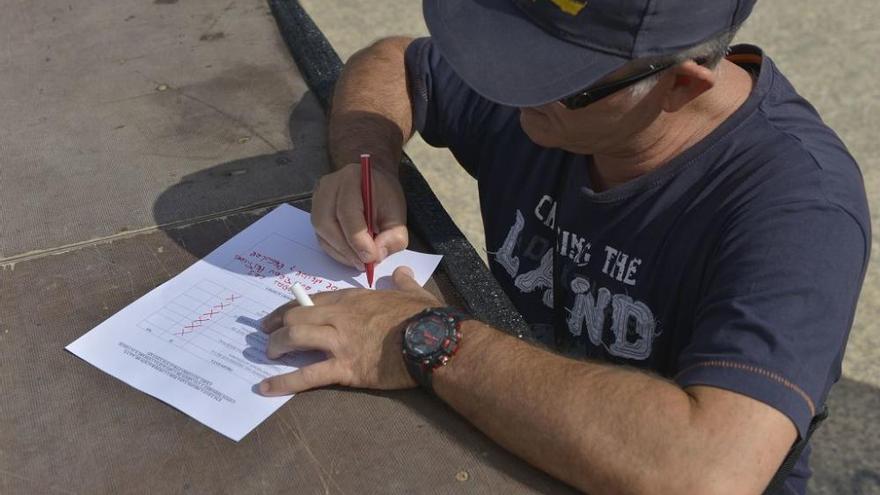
column 371, row 113
column 371, row 107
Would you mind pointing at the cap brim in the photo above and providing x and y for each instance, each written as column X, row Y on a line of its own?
column 507, row 58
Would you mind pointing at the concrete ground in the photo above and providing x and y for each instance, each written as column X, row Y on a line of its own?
column 135, row 135
column 828, row 50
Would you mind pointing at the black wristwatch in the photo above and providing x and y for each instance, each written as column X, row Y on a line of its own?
column 430, row 338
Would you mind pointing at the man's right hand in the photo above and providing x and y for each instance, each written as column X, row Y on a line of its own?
column 338, row 216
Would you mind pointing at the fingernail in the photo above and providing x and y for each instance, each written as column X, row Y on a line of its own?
column 383, row 252
column 265, row 387
column 364, row 256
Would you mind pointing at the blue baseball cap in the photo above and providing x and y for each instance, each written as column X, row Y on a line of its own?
column 530, row 52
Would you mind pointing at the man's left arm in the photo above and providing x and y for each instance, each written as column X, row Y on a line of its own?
column 601, row 428
column 612, row 429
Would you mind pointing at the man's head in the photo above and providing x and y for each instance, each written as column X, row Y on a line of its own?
column 526, row 53
column 627, row 100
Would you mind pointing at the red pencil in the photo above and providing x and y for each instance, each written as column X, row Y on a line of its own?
column 367, row 195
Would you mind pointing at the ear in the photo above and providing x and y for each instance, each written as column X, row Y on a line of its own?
column 690, row 81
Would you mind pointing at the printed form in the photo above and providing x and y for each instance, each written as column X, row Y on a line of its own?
column 194, row 342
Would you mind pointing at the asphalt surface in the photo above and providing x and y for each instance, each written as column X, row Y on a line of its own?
column 828, row 50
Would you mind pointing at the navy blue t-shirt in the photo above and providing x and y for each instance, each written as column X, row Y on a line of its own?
column 736, row 265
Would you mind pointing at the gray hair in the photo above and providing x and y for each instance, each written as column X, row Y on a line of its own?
column 712, row 51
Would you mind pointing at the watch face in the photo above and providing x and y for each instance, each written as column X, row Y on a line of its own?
column 425, row 337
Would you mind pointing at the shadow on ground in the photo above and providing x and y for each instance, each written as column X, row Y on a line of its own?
column 232, row 187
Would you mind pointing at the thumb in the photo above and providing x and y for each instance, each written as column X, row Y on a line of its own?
column 391, row 240
column 403, row 279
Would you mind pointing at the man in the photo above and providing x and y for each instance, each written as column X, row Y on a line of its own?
column 685, row 236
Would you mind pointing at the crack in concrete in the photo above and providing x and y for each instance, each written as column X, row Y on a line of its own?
column 10, row 261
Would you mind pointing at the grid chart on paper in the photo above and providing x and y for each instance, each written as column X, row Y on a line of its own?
column 211, row 322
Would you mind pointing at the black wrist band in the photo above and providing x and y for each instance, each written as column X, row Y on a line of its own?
column 421, row 375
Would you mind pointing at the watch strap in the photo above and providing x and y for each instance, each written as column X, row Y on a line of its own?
column 420, row 374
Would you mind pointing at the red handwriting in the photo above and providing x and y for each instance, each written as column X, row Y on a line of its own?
column 209, row 314
column 267, row 260
column 257, row 264
column 252, row 268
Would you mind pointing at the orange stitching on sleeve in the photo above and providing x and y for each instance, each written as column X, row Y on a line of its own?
column 760, row 371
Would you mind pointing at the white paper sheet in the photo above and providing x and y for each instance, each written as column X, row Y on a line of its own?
column 194, row 341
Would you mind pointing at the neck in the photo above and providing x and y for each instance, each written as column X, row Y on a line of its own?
column 670, row 134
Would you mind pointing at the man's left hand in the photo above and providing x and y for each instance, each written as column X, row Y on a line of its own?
column 359, row 330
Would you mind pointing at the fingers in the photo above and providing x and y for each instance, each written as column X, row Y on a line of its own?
column 339, row 256
column 338, row 217
column 324, row 219
column 292, row 313
column 391, row 215
column 330, row 233
column 313, row 376
column 350, row 215
column 392, row 240
column 403, row 279
column 275, row 319
column 299, row 338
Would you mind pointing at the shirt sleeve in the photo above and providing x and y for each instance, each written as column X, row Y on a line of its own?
column 447, row 112
column 778, row 305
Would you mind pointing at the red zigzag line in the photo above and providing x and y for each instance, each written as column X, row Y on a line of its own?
column 206, row 316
